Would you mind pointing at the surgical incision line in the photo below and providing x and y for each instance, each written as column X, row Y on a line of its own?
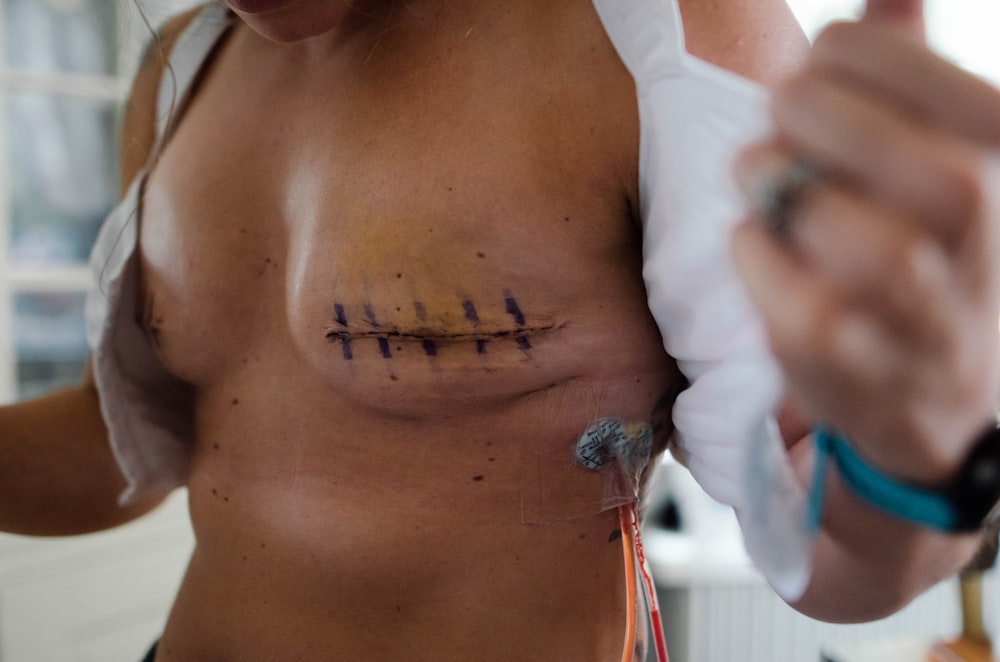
column 339, row 334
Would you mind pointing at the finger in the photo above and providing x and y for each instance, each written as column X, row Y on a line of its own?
column 812, row 331
column 880, row 263
column 857, row 141
column 907, row 15
column 876, row 260
column 922, row 85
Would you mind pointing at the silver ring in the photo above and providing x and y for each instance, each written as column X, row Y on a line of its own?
column 778, row 197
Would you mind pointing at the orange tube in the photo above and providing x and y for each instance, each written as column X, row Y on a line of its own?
column 636, row 564
column 631, row 588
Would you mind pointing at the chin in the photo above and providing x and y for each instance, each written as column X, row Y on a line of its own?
column 289, row 21
column 256, row 7
column 282, row 34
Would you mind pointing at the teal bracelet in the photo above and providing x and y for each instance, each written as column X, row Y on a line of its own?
column 931, row 508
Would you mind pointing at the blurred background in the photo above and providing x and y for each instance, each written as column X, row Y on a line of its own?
column 65, row 66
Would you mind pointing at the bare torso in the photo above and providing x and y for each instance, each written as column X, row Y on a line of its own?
column 394, row 279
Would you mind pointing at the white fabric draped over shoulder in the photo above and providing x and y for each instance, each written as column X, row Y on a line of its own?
column 144, row 408
column 694, row 118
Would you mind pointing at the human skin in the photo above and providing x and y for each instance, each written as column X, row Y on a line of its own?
column 882, row 304
column 368, row 503
column 344, row 182
column 380, row 514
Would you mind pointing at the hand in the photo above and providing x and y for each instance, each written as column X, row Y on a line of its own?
column 883, row 302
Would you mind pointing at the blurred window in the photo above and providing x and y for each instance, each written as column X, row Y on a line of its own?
column 65, row 66
column 62, row 175
column 62, row 36
column 49, row 338
column 60, row 86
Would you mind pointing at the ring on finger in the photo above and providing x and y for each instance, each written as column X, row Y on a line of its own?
column 779, row 196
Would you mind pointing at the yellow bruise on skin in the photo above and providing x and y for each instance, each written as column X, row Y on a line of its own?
column 390, row 253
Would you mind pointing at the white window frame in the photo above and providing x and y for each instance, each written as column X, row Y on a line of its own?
column 70, row 278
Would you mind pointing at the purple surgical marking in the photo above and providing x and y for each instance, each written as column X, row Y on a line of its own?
column 338, row 310
column 444, row 337
column 345, row 340
column 345, row 343
column 370, row 315
column 514, row 310
column 385, row 338
column 470, row 312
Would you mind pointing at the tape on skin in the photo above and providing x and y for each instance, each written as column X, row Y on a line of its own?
column 610, row 439
column 608, row 457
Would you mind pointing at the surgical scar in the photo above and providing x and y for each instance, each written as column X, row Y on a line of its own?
column 387, row 336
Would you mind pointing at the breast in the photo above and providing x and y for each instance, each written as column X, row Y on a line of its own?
column 459, row 303
column 459, row 308
column 346, row 244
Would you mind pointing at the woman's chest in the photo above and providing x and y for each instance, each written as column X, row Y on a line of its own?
column 355, row 278
column 392, row 245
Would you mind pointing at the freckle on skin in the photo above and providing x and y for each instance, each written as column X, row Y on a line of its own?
column 478, row 479
column 480, row 254
column 236, row 401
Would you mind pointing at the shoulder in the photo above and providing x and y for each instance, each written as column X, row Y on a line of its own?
column 138, row 131
column 758, row 39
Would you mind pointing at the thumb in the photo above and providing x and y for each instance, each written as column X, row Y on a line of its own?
column 906, row 14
